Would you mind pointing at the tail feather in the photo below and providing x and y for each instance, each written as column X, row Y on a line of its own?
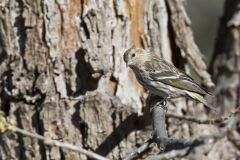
column 201, row 99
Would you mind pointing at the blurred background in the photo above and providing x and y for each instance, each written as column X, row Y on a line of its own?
column 205, row 16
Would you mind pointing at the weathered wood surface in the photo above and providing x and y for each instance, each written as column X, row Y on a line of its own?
column 62, row 74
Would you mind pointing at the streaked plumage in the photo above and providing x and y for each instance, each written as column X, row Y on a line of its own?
column 161, row 77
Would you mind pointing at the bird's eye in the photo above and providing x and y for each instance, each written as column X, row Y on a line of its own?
column 133, row 55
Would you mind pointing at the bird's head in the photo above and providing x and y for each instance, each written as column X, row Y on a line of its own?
column 135, row 56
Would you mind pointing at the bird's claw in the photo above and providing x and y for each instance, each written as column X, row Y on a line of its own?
column 161, row 104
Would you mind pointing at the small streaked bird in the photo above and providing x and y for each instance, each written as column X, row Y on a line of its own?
column 162, row 78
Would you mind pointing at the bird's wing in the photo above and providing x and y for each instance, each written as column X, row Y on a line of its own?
column 170, row 75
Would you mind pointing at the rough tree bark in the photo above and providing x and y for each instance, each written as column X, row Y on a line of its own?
column 225, row 67
column 62, row 73
column 226, row 61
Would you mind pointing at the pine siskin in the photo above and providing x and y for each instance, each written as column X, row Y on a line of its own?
column 162, row 78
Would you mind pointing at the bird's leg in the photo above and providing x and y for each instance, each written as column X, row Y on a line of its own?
column 162, row 103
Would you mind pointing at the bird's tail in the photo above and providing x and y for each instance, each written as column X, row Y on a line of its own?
column 201, row 99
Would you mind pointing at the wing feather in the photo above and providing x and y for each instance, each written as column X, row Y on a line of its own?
column 166, row 73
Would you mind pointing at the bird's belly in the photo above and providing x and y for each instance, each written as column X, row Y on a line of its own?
column 158, row 88
column 164, row 90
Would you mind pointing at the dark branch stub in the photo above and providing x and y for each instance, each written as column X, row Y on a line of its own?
column 158, row 110
column 157, row 107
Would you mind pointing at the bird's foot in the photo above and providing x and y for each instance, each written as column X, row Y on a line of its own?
column 162, row 104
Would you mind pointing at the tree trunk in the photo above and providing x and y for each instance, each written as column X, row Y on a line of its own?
column 226, row 62
column 225, row 69
column 63, row 76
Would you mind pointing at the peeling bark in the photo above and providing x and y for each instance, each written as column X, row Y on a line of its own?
column 63, row 76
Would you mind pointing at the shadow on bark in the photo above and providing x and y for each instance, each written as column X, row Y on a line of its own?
column 80, row 124
column 21, row 149
column 85, row 81
column 131, row 123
